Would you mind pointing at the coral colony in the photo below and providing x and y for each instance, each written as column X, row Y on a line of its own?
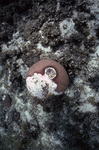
column 43, row 79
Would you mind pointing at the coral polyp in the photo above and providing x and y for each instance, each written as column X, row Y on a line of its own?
column 50, row 72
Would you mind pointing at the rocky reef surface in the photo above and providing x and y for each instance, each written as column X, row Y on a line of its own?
column 67, row 32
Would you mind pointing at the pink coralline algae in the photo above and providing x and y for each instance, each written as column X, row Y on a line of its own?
column 46, row 77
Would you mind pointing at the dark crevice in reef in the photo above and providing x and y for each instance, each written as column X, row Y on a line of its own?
column 17, row 83
column 10, row 13
column 95, row 82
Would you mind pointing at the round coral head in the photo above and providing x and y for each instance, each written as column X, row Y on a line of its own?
column 58, row 73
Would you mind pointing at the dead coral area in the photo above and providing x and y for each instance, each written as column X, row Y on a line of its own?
column 66, row 31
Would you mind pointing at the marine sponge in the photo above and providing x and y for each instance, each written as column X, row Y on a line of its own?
column 46, row 77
